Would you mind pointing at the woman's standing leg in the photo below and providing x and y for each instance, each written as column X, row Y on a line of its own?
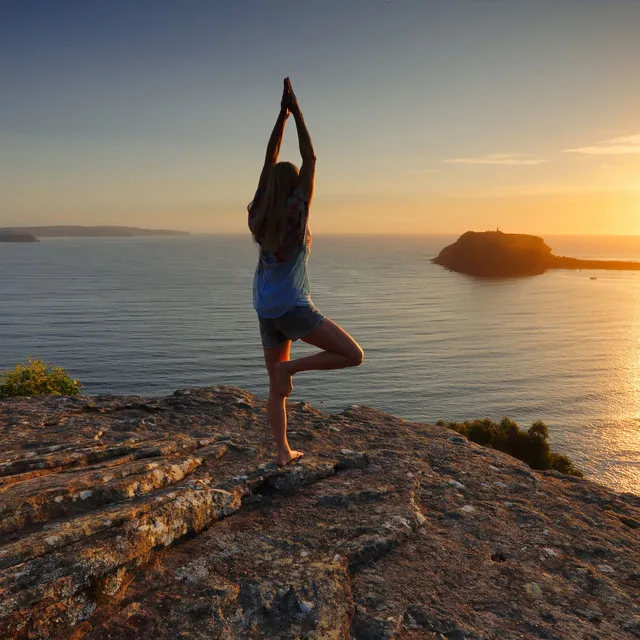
column 276, row 404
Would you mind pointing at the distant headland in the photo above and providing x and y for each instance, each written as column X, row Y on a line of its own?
column 17, row 237
column 494, row 254
column 73, row 231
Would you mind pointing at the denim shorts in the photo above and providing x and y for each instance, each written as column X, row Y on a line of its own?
column 293, row 325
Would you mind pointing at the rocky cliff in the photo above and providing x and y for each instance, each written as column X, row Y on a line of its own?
column 165, row 518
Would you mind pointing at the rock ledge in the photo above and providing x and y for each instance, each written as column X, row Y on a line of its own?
column 163, row 518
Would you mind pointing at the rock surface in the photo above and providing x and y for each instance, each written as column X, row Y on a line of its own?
column 164, row 518
column 491, row 254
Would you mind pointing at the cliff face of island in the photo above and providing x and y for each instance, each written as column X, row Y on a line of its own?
column 73, row 231
column 164, row 518
column 493, row 253
column 497, row 254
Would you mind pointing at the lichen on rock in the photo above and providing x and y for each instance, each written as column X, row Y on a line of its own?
column 177, row 523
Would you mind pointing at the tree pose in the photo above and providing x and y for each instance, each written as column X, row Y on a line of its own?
column 278, row 220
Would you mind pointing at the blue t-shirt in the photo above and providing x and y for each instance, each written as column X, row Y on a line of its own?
column 281, row 281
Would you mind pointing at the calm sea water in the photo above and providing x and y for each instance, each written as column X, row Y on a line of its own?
column 149, row 315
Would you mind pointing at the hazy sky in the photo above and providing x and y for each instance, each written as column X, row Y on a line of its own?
column 426, row 115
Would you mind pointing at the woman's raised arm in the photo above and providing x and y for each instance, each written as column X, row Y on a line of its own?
column 275, row 140
column 308, row 169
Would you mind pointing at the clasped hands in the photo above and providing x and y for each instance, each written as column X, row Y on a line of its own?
column 289, row 102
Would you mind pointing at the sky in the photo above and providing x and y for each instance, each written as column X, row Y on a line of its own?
column 426, row 116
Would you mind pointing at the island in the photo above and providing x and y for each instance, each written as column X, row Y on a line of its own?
column 74, row 231
column 17, row 237
column 156, row 518
column 494, row 254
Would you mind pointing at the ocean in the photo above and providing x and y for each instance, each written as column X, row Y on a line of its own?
column 147, row 316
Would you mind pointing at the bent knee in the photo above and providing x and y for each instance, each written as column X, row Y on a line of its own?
column 356, row 357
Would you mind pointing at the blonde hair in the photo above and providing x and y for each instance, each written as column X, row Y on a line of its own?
column 270, row 220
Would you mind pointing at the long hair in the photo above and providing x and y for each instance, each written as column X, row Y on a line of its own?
column 270, row 221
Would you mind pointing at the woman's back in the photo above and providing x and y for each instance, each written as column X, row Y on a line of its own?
column 281, row 281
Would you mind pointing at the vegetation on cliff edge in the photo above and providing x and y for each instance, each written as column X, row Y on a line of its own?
column 530, row 446
column 35, row 378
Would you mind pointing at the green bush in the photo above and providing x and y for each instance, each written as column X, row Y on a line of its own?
column 530, row 446
column 35, row 378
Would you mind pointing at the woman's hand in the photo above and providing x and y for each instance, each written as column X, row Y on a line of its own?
column 291, row 100
column 286, row 98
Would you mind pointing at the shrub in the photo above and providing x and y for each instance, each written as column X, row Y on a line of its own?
column 530, row 446
column 35, row 378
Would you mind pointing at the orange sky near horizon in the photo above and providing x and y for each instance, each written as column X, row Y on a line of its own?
column 427, row 117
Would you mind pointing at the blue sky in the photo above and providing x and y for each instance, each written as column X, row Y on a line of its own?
column 426, row 116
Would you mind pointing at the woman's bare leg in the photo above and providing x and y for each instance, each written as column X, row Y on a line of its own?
column 276, row 405
column 339, row 350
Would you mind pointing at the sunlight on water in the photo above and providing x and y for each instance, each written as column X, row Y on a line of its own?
column 150, row 315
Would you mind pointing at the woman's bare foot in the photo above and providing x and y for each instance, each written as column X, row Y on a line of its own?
column 284, row 385
column 286, row 457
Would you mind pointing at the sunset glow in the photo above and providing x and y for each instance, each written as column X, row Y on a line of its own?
column 427, row 117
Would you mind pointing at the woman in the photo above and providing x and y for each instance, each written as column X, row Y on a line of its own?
column 278, row 218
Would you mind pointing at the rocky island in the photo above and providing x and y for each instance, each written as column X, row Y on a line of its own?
column 498, row 254
column 74, row 231
column 17, row 237
column 164, row 518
